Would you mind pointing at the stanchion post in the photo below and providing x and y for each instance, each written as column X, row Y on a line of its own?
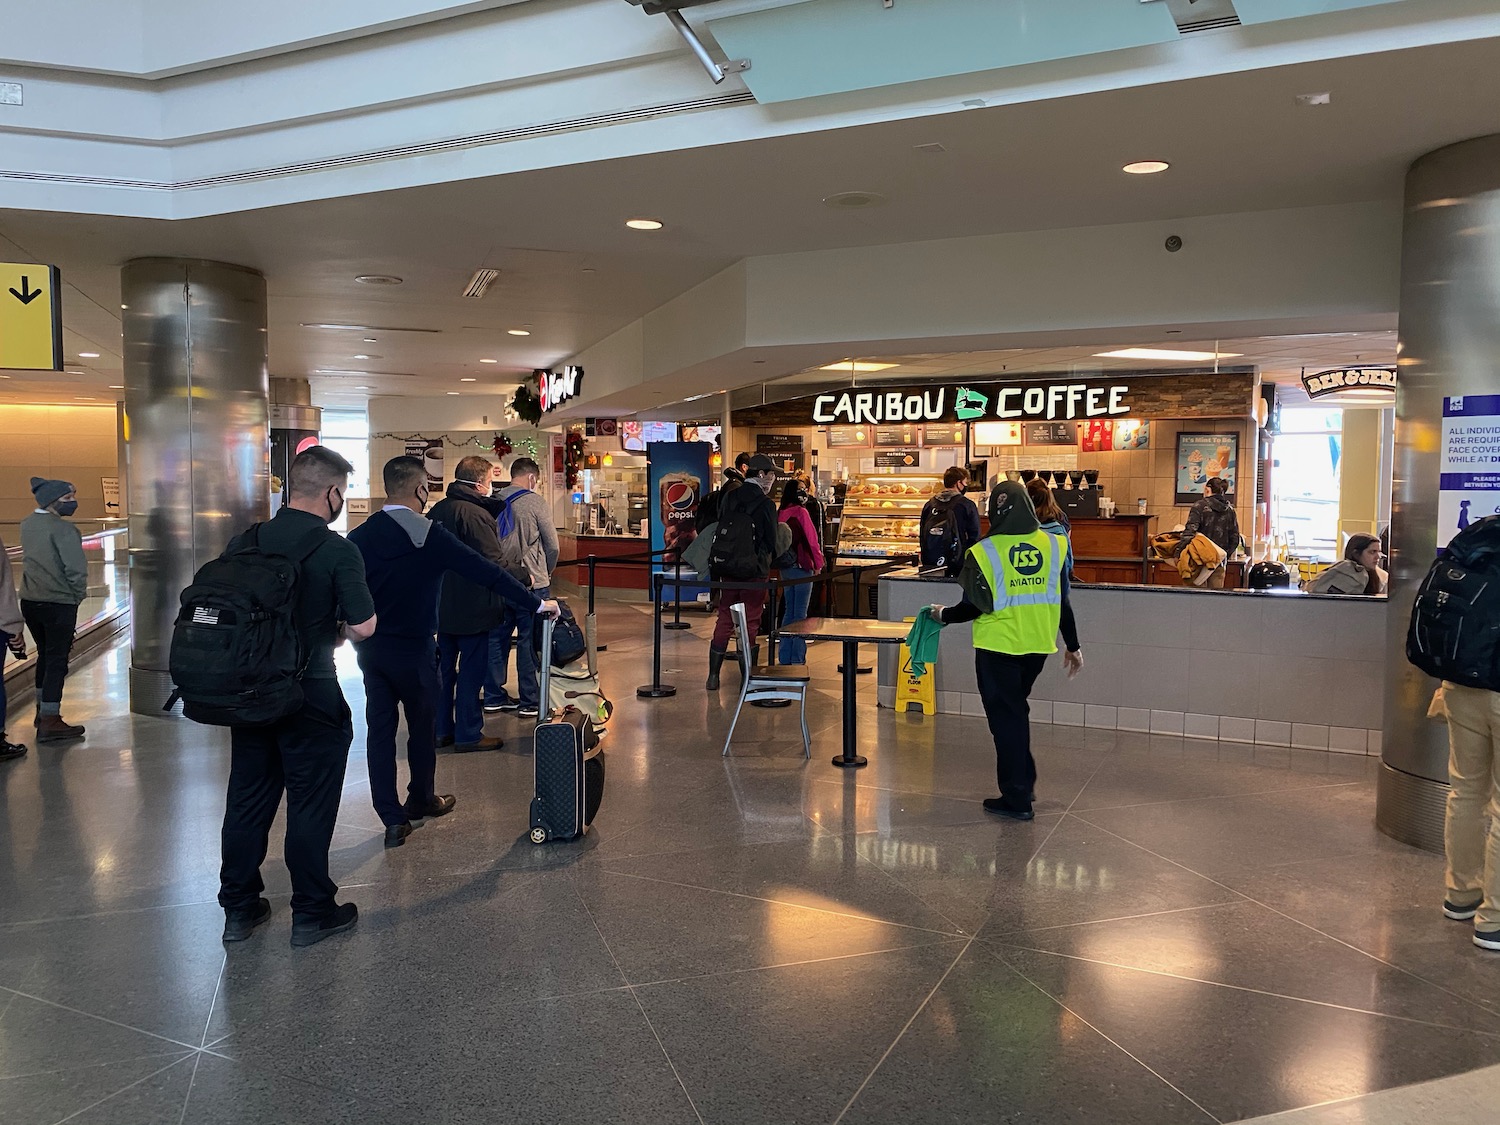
column 656, row 689
column 593, row 561
column 677, row 622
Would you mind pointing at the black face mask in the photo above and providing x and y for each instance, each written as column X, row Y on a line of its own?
column 66, row 507
column 422, row 497
column 336, row 512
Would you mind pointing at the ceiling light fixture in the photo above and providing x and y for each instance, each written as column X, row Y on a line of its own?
column 489, row 361
column 367, row 328
column 117, row 386
column 369, row 339
column 453, row 392
column 468, row 379
column 858, row 365
column 1146, row 167
column 480, row 282
column 518, row 331
column 361, row 357
column 1167, row 354
column 378, row 279
column 644, row 224
column 88, row 355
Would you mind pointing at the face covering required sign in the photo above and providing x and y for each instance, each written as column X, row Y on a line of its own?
column 1052, row 401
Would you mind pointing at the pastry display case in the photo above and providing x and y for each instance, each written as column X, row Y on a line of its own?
column 882, row 515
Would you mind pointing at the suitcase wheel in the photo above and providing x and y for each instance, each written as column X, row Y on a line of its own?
column 538, row 835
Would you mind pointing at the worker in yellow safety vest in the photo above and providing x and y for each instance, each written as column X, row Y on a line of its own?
column 1015, row 586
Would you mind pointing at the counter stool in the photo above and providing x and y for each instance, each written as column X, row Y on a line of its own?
column 780, row 681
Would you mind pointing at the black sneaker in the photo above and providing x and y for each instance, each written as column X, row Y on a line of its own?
column 496, row 707
column 310, row 933
column 998, row 806
column 440, row 805
column 511, row 705
column 526, row 711
column 1459, row 913
column 9, row 751
column 396, row 834
column 442, row 742
column 240, row 924
column 1488, row 939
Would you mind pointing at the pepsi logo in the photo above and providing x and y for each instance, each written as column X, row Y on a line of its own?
column 680, row 496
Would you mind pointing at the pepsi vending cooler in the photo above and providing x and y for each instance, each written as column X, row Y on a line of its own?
column 676, row 482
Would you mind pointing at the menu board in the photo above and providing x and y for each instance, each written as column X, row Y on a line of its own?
column 1469, row 485
column 898, row 459
column 1200, row 456
column 841, row 437
column 1051, row 433
column 893, row 437
column 943, row 434
column 778, row 443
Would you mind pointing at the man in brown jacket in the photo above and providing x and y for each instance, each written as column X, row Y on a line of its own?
column 12, row 639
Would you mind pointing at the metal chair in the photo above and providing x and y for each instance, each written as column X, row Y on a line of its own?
column 782, row 681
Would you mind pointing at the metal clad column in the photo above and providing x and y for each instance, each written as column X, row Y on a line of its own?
column 1450, row 336
column 196, row 438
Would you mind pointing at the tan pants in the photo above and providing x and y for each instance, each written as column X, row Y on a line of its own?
column 1215, row 580
column 1474, row 774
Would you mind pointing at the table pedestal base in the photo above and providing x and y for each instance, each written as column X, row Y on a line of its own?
column 853, row 763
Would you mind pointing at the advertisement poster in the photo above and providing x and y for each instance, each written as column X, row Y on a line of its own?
column 1200, row 456
column 1132, row 433
column 630, row 437
column 1097, row 436
column 1469, row 487
column 677, row 480
column 430, row 452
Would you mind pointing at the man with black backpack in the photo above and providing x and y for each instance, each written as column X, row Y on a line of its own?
column 406, row 556
column 950, row 524
column 1454, row 635
column 306, row 751
column 743, row 545
column 528, row 540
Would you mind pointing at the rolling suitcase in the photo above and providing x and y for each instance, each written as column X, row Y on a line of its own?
column 569, row 766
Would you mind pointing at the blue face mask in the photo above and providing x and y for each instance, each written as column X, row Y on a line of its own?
column 66, row 507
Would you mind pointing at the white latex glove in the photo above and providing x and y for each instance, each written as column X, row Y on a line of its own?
column 936, row 611
column 549, row 608
column 1073, row 662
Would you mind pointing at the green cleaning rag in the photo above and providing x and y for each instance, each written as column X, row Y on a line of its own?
column 922, row 641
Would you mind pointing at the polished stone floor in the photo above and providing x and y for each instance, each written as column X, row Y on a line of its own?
column 1188, row 932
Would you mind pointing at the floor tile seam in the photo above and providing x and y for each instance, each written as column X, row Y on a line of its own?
column 783, row 902
column 1306, row 925
column 4, row 926
column 949, row 940
column 921, row 1007
column 176, row 1056
column 214, row 1001
column 192, row 1081
column 898, row 884
column 1067, row 812
column 1227, row 796
column 1256, row 991
column 995, row 939
column 101, row 1019
column 122, row 1089
column 1116, row 1045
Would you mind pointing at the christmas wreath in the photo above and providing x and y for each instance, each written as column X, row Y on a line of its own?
column 573, row 455
column 527, row 402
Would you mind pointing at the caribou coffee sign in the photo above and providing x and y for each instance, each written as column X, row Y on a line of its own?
column 557, row 389
column 1350, row 379
column 1049, row 402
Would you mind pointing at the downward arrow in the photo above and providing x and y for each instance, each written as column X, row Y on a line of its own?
column 26, row 294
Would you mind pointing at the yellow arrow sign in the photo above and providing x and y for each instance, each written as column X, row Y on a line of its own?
column 30, row 317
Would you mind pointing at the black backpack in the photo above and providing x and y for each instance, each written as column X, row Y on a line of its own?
column 568, row 641
column 732, row 555
column 236, row 657
column 1454, row 633
column 941, row 545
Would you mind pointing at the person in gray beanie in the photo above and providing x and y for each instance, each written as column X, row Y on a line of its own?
column 54, row 582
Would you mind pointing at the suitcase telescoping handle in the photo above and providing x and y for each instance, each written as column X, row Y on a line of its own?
column 544, row 703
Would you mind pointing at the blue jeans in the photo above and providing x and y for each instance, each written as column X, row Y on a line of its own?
column 462, row 660
column 528, row 675
column 495, row 674
column 794, row 649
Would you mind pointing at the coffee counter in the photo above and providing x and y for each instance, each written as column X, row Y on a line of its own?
column 1112, row 550
column 1281, row 668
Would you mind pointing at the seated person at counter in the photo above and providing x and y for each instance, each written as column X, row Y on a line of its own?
column 950, row 524
column 1015, row 585
column 1213, row 517
column 1358, row 572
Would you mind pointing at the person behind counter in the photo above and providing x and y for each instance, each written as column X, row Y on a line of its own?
column 1358, row 572
column 1213, row 517
column 1015, row 590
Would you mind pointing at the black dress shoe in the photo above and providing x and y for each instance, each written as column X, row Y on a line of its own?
column 443, row 743
column 441, row 805
column 239, row 924
column 396, row 834
column 11, row 750
column 484, row 743
column 310, row 933
column 998, row 806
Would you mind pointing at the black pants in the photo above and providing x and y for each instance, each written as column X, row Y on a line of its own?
column 305, row 755
column 400, row 675
column 52, row 627
column 1005, row 686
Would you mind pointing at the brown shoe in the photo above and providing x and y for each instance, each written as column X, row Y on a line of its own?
column 51, row 728
column 475, row 747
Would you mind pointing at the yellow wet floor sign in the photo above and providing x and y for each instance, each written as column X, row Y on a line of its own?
column 30, row 317
column 915, row 691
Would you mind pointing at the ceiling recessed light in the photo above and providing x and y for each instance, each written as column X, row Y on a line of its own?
column 1146, row 167
column 644, row 224
column 369, row 339
column 362, row 357
column 858, row 365
column 378, row 279
column 117, row 386
column 468, row 379
column 453, row 392
column 853, row 200
column 367, row 328
column 361, row 388
column 1166, row 354
column 518, row 331
column 489, row 361
column 124, row 306
column 88, row 355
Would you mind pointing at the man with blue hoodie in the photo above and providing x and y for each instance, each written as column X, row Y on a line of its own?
column 406, row 556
